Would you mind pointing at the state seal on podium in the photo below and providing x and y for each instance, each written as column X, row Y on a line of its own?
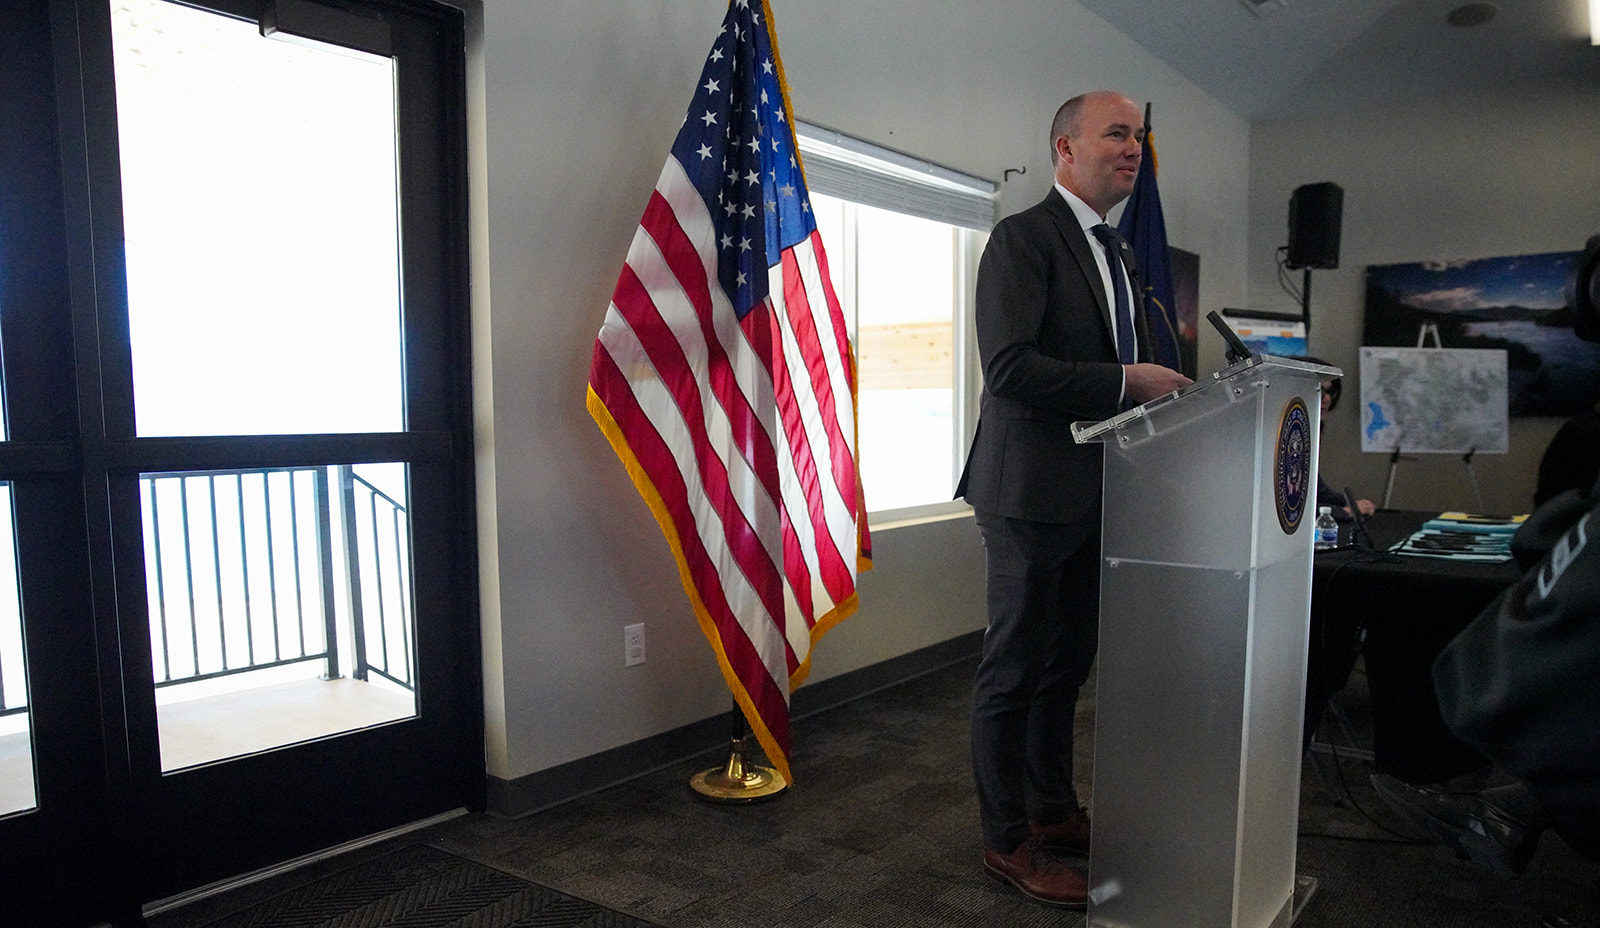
column 1292, row 465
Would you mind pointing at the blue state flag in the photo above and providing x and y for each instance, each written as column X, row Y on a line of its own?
column 1146, row 232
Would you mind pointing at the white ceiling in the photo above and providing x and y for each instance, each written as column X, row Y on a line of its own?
column 1290, row 58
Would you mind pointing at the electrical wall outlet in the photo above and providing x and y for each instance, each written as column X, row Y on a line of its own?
column 633, row 645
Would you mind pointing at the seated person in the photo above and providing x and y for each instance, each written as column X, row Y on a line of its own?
column 1572, row 461
column 1326, row 494
column 1517, row 684
column 1335, row 500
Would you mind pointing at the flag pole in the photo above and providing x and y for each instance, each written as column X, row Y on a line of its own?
column 737, row 780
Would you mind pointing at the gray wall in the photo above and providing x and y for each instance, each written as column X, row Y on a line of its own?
column 575, row 103
column 1461, row 178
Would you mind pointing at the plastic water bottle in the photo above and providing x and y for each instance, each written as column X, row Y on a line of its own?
column 1327, row 533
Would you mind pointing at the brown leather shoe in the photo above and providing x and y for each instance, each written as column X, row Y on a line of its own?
column 1070, row 835
column 1037, row 875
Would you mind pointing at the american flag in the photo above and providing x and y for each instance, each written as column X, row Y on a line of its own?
column 724, row 378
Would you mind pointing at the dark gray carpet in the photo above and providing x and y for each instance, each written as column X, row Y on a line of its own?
column 421, row 887
column 881, row 832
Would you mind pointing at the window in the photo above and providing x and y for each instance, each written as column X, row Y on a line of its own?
column 903, row 239
column 236, row 289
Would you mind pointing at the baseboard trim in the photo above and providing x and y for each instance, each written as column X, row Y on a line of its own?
column 836, row 691
column 587, row 775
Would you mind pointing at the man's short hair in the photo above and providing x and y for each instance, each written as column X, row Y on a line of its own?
column 1066, row 122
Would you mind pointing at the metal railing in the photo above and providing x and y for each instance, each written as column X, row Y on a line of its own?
column 378, row 577
column 253, row 569
column 266, row 570
column 228, row 572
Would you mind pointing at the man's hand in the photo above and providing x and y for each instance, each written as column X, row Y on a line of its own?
column 1144, row 382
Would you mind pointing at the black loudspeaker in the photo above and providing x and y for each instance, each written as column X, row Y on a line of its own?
column 1314, row 214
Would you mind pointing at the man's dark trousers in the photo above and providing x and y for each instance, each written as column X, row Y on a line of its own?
column 1043, row 600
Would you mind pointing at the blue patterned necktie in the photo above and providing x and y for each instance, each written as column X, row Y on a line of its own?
column 1124, row 310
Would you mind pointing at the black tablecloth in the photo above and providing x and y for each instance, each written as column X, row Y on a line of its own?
column 1409, row 608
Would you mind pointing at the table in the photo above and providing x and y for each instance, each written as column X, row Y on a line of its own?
column 1409, row 608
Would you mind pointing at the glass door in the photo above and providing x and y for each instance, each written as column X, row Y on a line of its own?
column 284, row 440
column 257, row 412
column 264, row 299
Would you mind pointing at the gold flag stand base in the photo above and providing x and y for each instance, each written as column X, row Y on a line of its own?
column 737, row 781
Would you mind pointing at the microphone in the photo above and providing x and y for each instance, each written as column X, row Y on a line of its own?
column 1237, row 349
column 1358, row 532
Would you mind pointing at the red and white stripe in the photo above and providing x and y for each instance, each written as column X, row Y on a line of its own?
column 741, row 434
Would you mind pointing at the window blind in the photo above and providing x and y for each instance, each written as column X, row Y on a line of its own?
column 848, row 168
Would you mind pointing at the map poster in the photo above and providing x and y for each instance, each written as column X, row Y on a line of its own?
column 1438, row 400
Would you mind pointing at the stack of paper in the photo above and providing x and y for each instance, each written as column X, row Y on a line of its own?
column 1463, row 536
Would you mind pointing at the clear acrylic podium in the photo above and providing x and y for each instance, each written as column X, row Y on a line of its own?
column 1209, row 510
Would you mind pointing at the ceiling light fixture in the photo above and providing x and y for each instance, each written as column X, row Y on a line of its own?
column 1473, row 14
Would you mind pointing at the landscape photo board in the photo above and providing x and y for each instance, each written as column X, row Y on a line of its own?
column 1517, row 304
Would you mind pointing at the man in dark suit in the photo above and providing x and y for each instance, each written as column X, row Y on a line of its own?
column 1050, row 288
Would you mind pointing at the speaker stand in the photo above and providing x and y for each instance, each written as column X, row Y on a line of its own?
column 1305, row 304
column 1466, row 461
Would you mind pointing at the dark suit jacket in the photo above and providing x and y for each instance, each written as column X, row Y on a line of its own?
column 1045, row 339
